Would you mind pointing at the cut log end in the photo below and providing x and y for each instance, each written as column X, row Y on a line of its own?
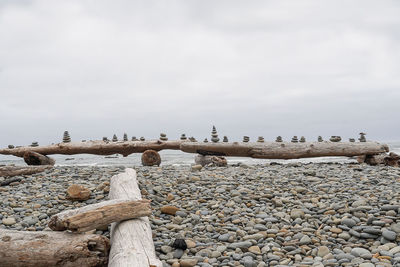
column 151, row 158
column 33, row 158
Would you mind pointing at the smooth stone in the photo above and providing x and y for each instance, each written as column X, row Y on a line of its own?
column 389, row 235
column 358, row 252
column 188, row 262
column 9, row 221
column 322, row 251
column 305, row 240
column 241, row 245
column 178, row 253
column 349, row 222
column 296, row 213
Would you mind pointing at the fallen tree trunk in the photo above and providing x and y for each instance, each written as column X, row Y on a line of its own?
column 96, row 215
column 131, row 240
column 8, row 171
column 33, row 158
column 124, row 148
column 151, row 158
column 36, row 249
column 285, row 150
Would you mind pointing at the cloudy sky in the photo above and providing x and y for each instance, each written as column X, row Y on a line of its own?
column 253, row 68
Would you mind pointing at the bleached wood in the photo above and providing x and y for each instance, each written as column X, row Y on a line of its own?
column 8, row 171
column 285, row 150
column 97, row 215
column 131, row 240
column 47, row 249
column 124, row 148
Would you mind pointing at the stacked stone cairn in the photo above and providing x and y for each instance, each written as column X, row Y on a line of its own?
column 214, row 135
column 294, row 139
column 279, row 139
column 134, row 138
column 260, row 139
column 302, row 139
column 192, row 139
column 335, row 138
column 183, row 137
column 205, row 140
column 66, row 137
column 225, row 140
column 352, row 140
column 105, row 139
column 246, row 139
column 34, row 144
column 362, row 137
column 320, row 139
column 10, row 146
column 163, row 137
column 125, row 137
column 114, row 139
column 142, row 139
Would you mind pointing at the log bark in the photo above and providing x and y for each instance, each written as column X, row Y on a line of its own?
column 124, row 148
column 285, row 150
column 37, row 249
column 97, row 215
column 9, row 171
column 151, row 158
column 131, row 240
column 33, row 158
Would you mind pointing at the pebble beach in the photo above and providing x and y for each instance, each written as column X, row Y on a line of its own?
column 296, row 214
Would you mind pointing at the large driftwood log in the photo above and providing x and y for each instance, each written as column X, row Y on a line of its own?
column 131, row 240
column 151, row 158
column 391, row 159
column 33, row 158
column 124, row 148
column 96, row 215
column 8, row 171
column 46, row 249
column 285, row 150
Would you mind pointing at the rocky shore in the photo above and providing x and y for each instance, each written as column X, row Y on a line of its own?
column 318, row 214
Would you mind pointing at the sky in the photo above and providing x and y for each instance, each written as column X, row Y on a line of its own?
column 256, row 68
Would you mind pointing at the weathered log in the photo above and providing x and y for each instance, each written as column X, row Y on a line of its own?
column 204, row 160
column 8, row 171
column 151, row 158
column 10, row 180
column 33, row 158
column 131, row 240
column 124, row 148
column 391, row 159
column 44, row 248
column 97, row 215
column 285, row 150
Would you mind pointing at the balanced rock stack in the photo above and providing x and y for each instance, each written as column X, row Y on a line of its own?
column 260, row 139
column 35, row 144
column 10, row 146
column 302, row 139
column 279, row 139
column 125, row 137
column 352, row 140
column 142, row 139
column 294, row 139
column 192, row 139
column 225, row 139
column 105, row 139
column 362, row 137
column 134, row 138
column 246, row 139
column 163, row 137
column 205, row 140
column 183, row 137
column 335, row 138
column 66, row 137
column 214, row 135
column 320, row 139
column 114, row 139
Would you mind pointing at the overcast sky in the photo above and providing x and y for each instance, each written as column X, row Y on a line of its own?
column 257, row 68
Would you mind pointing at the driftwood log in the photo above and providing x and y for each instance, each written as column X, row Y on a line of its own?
column 9, row 171
column 131, row 240
column 204, row 160
column 151, row 158
column 97, row 215
column 46, row 249
column 33, row 158
column 285, row 150
column 124, row 148
column 391, row 159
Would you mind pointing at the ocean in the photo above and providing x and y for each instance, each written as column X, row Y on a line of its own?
column 169, row 157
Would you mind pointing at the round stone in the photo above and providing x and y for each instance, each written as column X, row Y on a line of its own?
column 9, row 221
